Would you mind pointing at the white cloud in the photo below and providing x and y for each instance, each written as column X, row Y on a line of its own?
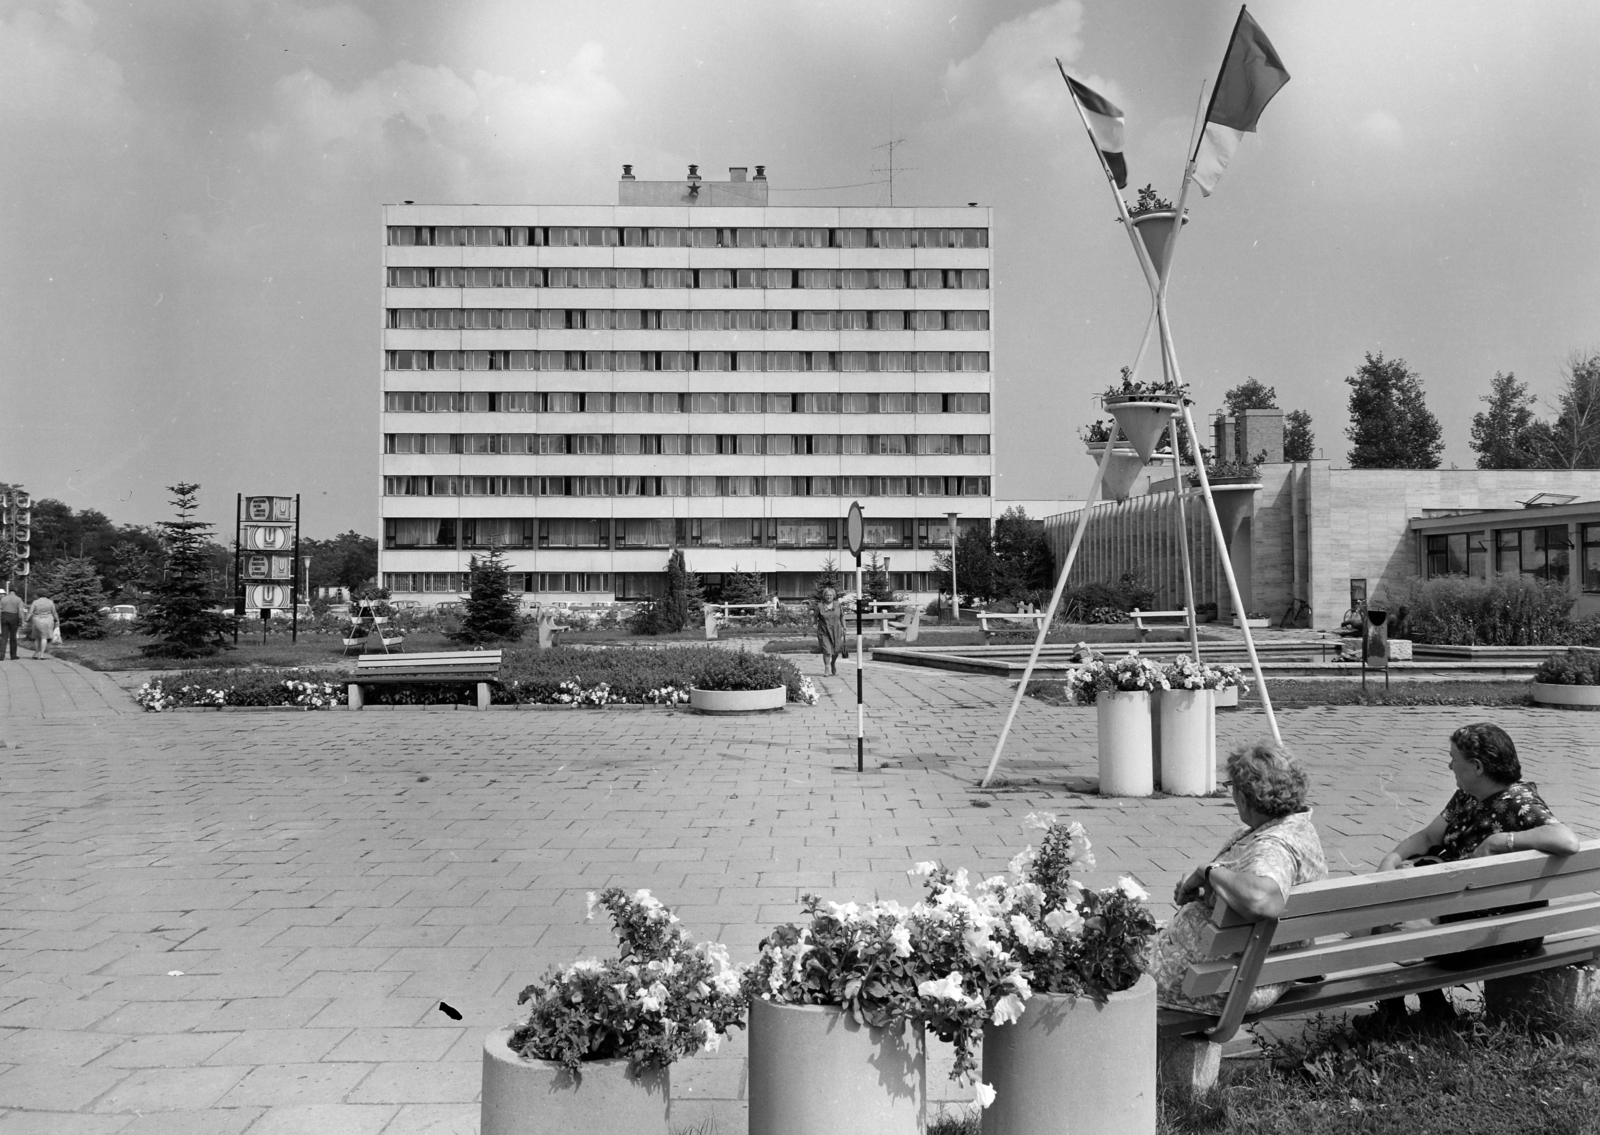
column 1012, row 78
column 51, row 72
column 486, row 114
column 1381, row 129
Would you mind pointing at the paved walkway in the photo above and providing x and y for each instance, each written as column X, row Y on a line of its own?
column 229, row 922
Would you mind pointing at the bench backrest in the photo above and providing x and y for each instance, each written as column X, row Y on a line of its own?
column 1237, row 948
column 444, row 664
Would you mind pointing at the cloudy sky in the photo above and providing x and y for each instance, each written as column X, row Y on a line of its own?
column 191, row 244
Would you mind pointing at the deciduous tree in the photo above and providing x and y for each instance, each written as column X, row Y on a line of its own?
column 1299, row 443
column 1391, row 426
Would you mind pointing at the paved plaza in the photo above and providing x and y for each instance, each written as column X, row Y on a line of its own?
column 230, row 922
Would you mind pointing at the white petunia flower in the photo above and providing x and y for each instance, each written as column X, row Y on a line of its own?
column 947, row 988
column 1068, row 922
column 901, row 937
column 1007, row 1010
column 923, row 870
column 1130, row 887
column 984, row 1094
column 594, row 900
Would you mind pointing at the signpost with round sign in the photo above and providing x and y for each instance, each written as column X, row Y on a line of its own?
column 854, row 536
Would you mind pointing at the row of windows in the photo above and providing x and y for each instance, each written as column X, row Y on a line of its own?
column 1543, row 553
column 672, row 402
column 635, row 319
column 666, row 532
column 474, row 486
column 567, row 236
column 844, row 362
column 652, row 444
column 853, row 279
column 635, row 585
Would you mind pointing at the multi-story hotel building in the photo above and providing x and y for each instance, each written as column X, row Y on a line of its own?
column 590, row 386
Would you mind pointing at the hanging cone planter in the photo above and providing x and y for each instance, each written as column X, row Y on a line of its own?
column 1141, row 422
column 1235, row 504
column 1125, row 467
column 1156, row 230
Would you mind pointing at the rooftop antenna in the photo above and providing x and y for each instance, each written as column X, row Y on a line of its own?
column 890, row 145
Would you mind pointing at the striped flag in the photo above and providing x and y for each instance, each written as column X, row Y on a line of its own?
column 1105, row 123
column 1251, row 74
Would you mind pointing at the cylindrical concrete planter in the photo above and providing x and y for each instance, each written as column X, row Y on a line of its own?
column 737, row 701
column 1188, row 758
column 540, row 1097
column 814, row 1071
column 1567, row 697
column 1074, row 1064
column 1127, row 758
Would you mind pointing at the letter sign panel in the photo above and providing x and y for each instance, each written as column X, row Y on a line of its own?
column 265, row 596
column 257, row 566
column 276, row 510
column 267, row 537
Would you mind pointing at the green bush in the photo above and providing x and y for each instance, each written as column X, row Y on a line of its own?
column 1105, row 601
column 1574, row 668
column 1504, row 611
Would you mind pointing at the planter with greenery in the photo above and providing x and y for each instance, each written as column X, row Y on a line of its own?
column 595, row 1051
column 1084, row 1044
column 1570, row 680
column 739, row 681
column 1120, row 691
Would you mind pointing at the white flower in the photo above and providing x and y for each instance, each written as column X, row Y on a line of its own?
column 1044, row 821
column 1007, row 1010
column 845, row 912
column 1021, row 862
column 947, row 988
column 588, row 965
column 984, row 1094
column 1028, row 934
column 594, row 900
column 923, row 870
column 901, row 937
column 709, row 1036
column 1130, row 887
column 1068, row 922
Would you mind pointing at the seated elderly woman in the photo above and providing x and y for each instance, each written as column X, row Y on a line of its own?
column 1277, row 849
column 1492, row 812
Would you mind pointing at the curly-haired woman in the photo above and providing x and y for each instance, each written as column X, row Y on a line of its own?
column 1254, row 871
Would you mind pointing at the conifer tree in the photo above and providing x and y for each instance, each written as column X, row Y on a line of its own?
column 829, row 576
column 75, row 588
column 493, row 613
column 182, row 614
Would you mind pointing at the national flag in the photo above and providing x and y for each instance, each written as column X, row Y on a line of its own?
column 1251, row 74
column 1105, row 123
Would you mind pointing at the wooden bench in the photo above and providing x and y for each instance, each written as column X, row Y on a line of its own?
column 439, row 667
column 999, row 617
column 1336, row 960
column 720, row 614
column 1139, row 618
column 909, row 626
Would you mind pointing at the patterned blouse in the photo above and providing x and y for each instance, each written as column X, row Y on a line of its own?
column 1287, row 851
column 1469, row 821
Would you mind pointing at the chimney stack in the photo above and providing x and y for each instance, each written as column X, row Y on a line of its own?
column 737, row 173
column 694, row 173
column 627, row 173
column 761, row 173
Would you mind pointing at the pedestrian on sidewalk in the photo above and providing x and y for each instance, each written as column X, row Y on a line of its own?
column 10, row 622
column 44, row 620
column 830, row 629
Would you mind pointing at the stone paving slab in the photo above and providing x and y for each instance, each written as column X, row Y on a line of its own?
column 219, row 923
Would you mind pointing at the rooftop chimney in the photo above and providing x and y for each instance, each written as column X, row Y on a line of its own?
column 761, row 173
column 627, row 173
column 737, row 173
column 694, row 173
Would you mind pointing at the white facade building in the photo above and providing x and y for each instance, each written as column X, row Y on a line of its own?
column 588, row 387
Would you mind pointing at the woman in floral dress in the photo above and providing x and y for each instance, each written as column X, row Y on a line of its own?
column 1492, row 812
column 1277, row 849
column 830, row 629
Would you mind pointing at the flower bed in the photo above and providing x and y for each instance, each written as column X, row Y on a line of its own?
column 563, row 676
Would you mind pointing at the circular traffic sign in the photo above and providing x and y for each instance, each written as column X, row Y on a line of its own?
column 854, row 530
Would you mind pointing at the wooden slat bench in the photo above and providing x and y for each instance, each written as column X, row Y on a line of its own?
column 1338, row 962
column 1139, row 618
column 1018, row 620
column 446, row 666
column 721, row 614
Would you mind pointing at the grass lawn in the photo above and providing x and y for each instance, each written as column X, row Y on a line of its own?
column 323, row 650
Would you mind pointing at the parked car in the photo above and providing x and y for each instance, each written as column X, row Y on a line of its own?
column 122, row 612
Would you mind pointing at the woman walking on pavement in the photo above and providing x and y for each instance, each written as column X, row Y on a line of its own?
column 830, row 629
column 43, row 619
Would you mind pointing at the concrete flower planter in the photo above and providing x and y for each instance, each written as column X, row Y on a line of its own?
column 813, row 1070
column 1127, row 753
column 540, row 1097
column 1188, row 742
column 1227, row 697
column 1567, row 697
column 1074, row 1064
column 737, row 701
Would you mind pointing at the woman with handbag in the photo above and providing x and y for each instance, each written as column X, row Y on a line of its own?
column 46, row 623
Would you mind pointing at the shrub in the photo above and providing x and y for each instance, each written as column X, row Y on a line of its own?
column 1106, row 601
column 75, row 588
column 1503, row 611
column 183, row 689
column 1574, row 668
column 642, row 675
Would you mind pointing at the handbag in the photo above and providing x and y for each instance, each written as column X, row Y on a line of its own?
column 55, row 635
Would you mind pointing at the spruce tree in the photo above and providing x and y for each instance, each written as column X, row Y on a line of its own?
column 829, row 576
column 182, row 615
column 75, row 588
column 875, row 580
column 744, row 586
column 492, row 613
